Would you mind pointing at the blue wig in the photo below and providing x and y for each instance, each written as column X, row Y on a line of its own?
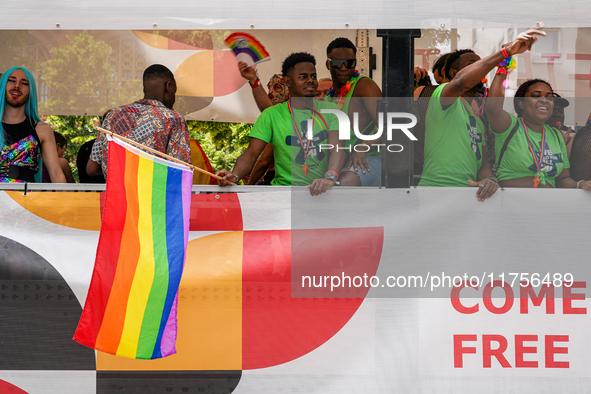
column 30, row 105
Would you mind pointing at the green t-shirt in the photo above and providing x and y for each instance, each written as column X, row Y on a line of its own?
column 353, row 140
column 275, row 126
column 453, row 144
column 518, row 161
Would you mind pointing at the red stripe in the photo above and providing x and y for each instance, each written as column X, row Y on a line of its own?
column 110, row 333
column 107, row 254
column 578, row 56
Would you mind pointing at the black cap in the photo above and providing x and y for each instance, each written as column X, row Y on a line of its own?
column 560, row 101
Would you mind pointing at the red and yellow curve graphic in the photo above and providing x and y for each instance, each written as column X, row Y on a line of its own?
column 202, row 76
column 236, row 310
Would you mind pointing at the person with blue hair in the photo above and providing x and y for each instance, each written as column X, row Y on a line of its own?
column 24, row 139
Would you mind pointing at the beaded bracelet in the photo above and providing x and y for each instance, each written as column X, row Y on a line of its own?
column 332, row 172
column 579, row 183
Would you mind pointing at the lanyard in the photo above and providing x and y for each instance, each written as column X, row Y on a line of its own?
column 482, row 107
column 537, row 160
column 305, row 146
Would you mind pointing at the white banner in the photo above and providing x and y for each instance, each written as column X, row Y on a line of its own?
column 419, row 290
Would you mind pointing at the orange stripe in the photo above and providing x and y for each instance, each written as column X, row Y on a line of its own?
column 110, row 332
column 209, row 311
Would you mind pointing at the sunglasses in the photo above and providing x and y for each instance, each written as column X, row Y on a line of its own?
column 338, row 63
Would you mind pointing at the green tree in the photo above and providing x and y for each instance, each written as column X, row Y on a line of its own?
column 13, row 47
column 79, row 77
column 77, row 130
column 222, row 142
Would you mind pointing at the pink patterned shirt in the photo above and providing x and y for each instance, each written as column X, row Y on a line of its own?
column 150, row 123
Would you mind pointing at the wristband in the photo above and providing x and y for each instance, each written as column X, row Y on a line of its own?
column 332, row 172
column 579, row 183
column 505, row 53
column 502, row 70
column 332, row 176
column 494, row 179
column 235, row 176
column 255, row 83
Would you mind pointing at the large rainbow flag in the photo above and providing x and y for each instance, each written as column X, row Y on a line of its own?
column 131, row 306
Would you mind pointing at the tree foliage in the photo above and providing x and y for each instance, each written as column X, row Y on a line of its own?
column 222, row 142
column 77, row 130
column 13, row 47
column 79, row 71
column 79, row 74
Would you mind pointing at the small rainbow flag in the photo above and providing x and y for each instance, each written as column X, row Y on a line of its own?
column 247, row 48
column 131, row 306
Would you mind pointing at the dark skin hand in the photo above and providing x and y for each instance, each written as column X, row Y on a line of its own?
column 486, row 187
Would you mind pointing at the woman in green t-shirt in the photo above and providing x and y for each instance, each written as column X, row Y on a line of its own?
column 519, row 139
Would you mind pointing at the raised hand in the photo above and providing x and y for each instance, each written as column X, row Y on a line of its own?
column 525, row 40
column 249, row 73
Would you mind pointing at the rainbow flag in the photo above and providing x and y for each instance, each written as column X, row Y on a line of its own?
column 131, row 306
column 247, row 49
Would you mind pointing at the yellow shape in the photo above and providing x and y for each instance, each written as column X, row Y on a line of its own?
column 209, row 311
column 198, row 160
column 194, row 77
column 76, row 210
column 144, row 272
column 152, row 40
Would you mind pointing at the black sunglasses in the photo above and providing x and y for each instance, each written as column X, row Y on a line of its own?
column 338, row 63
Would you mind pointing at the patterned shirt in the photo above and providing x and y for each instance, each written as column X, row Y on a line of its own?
column 150, row 123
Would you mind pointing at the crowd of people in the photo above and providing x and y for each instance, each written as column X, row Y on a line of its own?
column 465, row 136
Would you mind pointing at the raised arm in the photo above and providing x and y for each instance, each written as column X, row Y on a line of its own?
column 498, row 119
column 261, row 97
column 469, row 76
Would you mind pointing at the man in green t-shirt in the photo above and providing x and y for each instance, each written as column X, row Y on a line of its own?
column 299, row 160
column 455, row 154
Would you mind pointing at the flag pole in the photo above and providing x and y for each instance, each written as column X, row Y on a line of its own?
column 164, row 155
